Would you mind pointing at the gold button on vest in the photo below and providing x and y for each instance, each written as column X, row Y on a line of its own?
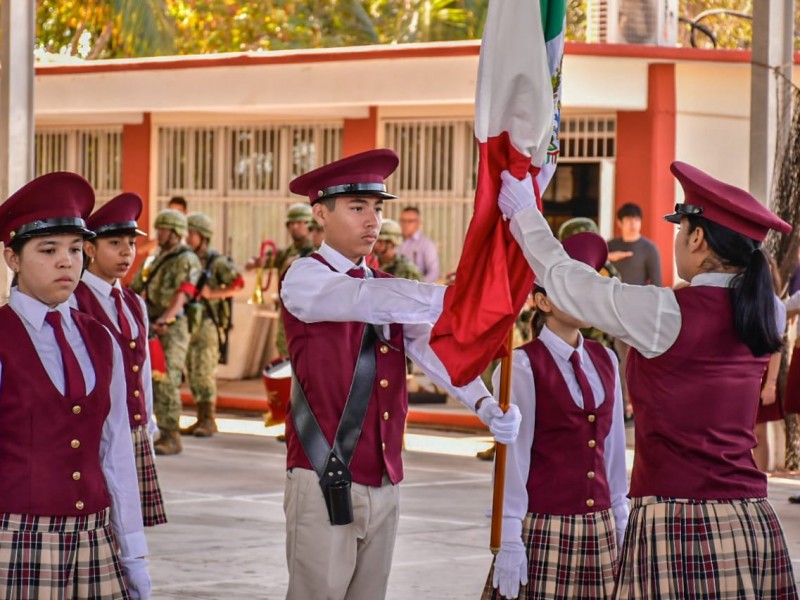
column 132, row 345
column 135, row 368
column 135, row 393
column 384, row 349
column 137, row 417
column 592, row 443
column 79, row 505
column 591, row 418
column 386, row 416
column 76, row 475
column 589, row 502
column 590, row 475
column 75, row 444
column 76, row 410
column 384, row 383
column 383, row 446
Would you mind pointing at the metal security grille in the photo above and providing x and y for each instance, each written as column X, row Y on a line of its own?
column 94, row 153
column 239, row 175
column 588, row 137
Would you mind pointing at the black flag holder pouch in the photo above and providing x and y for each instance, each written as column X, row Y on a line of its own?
column 336, row 483
column 332, row 464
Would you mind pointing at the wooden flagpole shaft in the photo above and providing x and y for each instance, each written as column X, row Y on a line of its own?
column 500, row 452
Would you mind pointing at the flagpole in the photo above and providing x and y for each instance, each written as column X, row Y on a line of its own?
column 500, row 451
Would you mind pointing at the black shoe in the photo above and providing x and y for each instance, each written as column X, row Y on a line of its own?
column 281, row 438
column 794, row 499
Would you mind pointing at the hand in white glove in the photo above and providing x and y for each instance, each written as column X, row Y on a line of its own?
column 137, row 577
column 504, row 426
column 510, row 569
column 515, row 194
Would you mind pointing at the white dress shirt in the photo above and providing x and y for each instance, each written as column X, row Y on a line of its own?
column 314, row 293
column 102, row 291
column 645, row 317
column 523, row 394
column 116, row 447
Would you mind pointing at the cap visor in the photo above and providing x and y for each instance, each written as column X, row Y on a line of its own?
column 674, row 218
column 57, row 230
column 381, row 195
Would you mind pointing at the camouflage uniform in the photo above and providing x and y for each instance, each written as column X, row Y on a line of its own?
column 168, row 272
column 296, row 212
column 400, row 266
column 204, row 345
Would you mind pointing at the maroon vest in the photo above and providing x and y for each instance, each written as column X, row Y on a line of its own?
column 42, row 473
column 696, row 407
column 323, row 358
column 134, row 352
column 568, row 470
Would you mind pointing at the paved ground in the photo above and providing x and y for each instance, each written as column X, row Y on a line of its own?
column 225, row 537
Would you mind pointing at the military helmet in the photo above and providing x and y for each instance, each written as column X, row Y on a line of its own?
column 169, row 218
column 299, row 212
column 391, row 232
column 201, row 223
column 576, row 225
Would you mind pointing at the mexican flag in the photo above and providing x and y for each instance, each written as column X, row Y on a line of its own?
column 517, row 115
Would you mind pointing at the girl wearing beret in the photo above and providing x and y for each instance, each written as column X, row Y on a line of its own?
column 564, row 507
column 101, row 295
column 700, row 524
column 70, row 522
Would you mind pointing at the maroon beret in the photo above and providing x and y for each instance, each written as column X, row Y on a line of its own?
column 120, row 214
column 50, row 204
column 723, row 204
column 358, row 175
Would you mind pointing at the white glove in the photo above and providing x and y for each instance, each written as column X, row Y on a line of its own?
column 510, row 569
column 504, row 426
column 137, row 577
column 515, row 195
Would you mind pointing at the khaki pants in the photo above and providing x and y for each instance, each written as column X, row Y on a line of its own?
column 341, row 562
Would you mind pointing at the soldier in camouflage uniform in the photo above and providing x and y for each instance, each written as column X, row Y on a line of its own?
column 390, row 237
column 209, row 317
column 166, row 285
column 317, row 234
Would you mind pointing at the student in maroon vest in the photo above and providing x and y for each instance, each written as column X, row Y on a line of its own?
column 564, row 513
column 329, row 298
column 700, row 523
column 100, row 294
column 70, row 521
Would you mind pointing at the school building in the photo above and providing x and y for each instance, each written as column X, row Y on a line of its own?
column 228, row 132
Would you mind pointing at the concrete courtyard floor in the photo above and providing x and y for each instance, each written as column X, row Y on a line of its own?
column 225, row 538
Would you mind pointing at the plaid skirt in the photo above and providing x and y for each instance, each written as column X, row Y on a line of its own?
column 569, row 556
column 710, row 550
column 149, row 490
column 59, row 558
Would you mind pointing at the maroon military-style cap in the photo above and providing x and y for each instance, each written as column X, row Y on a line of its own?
column 118, row 215
column 586, row 247
column 723, row 204
column 358, row 175
column 50, row 204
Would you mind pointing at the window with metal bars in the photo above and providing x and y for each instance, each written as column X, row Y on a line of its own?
column 95, row 153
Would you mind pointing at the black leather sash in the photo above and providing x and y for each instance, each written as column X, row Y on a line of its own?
column 332, row 464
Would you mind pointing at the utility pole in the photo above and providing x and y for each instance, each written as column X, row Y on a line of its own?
column 16, row 103
column 773, row 30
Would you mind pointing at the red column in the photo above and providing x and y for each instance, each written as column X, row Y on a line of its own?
column 360, row 135
column 645, row 149
column 136, row 175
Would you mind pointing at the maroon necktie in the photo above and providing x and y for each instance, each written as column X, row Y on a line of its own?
column 124, row 326
column 583, row 382
column 74, row 386
column 357, row 272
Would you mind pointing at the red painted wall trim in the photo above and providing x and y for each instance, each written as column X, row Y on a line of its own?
column 136, row 176
column 360, row 135
column 646, row 147
column 382, row 52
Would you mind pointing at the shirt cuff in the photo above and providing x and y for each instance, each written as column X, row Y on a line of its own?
column 512, row 530
column 133, row 545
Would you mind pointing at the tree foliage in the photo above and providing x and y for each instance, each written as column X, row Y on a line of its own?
column 123, row 28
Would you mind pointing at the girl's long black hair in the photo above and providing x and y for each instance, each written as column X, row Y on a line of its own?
column 751, row 289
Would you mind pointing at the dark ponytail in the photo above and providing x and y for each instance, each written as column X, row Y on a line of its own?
column 751, row 289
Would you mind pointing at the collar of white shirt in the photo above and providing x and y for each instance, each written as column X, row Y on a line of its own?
column 33, row 311
column 559, row 347
column 338, row 261
column 101, row 287
column 713, row 279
